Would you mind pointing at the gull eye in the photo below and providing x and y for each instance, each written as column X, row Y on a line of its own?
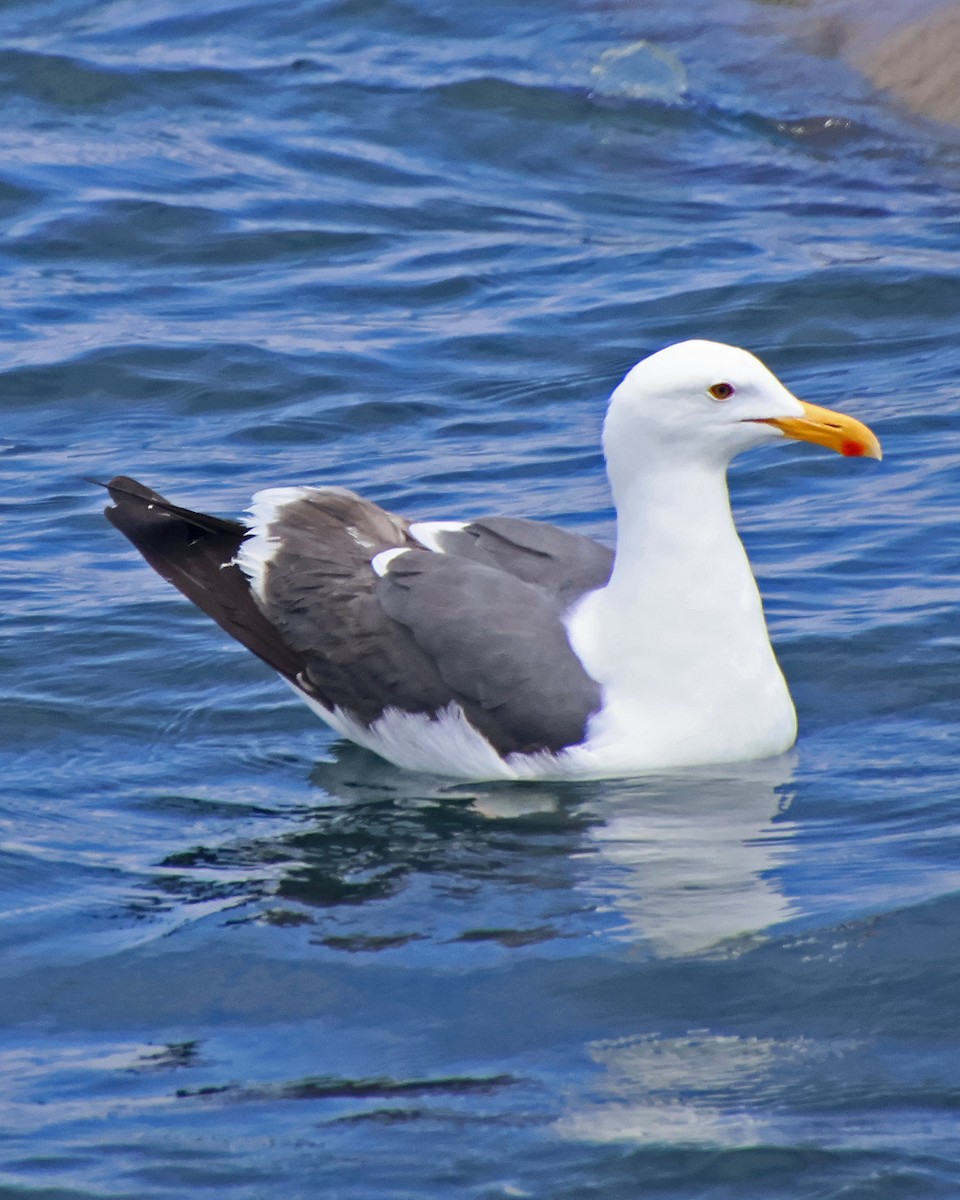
column 721, row 391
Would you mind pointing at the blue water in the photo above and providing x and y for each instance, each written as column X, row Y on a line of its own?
column 409, row 246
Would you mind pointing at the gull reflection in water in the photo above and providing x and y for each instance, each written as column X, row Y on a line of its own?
column 677, row 873
column 675, row 865
column 688, row 861
column 694, row 858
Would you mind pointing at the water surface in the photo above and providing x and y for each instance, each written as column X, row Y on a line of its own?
column 409, row 248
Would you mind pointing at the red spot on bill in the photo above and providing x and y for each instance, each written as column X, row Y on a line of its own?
column 851, row 449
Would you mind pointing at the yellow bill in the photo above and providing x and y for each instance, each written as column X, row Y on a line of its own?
column 835, row 430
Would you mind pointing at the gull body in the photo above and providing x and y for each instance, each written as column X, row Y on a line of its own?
column 507, row 649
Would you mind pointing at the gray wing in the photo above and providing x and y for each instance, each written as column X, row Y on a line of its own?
column 435, row 630
column 565, row 564
column 318, row 593
column 498, row 642
column 484, row 632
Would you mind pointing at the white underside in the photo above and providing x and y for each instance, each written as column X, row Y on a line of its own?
column 449, row 745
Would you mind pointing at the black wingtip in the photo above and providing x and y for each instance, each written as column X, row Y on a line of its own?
column 197, row 554
column 122, row 485
column 132, row 500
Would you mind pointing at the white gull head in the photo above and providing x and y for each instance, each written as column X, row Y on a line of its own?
column 705, row 402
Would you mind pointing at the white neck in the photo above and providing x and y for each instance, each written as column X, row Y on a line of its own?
column 677, row 638
column 674, row 525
